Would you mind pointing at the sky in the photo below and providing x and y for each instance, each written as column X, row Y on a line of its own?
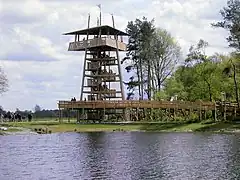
column 34, row 52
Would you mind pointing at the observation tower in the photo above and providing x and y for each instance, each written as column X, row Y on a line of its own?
column 101, row 78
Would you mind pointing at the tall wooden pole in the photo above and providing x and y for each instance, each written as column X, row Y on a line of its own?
column 84, row 65
column 113, row 21
column 119, row 70
column 118, row 60
column 100, row 14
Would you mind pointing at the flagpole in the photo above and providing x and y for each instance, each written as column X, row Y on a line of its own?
column 100, row 16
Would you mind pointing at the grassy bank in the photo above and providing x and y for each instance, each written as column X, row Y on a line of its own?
column 54, row 126
column 73, row 127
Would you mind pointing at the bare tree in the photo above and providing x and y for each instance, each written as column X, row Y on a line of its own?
column 166, row 55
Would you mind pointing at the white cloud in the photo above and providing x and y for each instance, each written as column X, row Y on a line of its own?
column 31, row 32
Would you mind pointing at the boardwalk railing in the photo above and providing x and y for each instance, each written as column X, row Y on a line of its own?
column 122, row 104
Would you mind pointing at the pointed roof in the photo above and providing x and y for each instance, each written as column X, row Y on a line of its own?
column 95, row 31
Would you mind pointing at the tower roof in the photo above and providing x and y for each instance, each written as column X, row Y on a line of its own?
column 95, row 31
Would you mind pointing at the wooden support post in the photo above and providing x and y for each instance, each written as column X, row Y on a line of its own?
column 76, row 36
column 215, row 112
column 225, row 111
column 200, row 112
column 69, row 115
column 174, row 114
column 60, row 115
column 118, row 62
column 190, row 113
column 130, row 114
column 235, row 112
column 104, row 113
column 168, row 114
column 137, row 114
column 205, row 113
column 151, row 114
column 82, row 114
column 77, row 116
column 84, row 64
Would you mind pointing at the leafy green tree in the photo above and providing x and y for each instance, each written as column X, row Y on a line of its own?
column 147, row 30
column 151, row 58
column 138, row 54
column 199, row 78
column 231, row 22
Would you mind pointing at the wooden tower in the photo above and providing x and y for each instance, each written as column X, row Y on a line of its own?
column 102, row 78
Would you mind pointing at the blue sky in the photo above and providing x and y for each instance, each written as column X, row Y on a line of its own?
column 34, row 53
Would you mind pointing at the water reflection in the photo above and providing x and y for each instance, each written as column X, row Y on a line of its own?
column 121, row 155
column 94, row 154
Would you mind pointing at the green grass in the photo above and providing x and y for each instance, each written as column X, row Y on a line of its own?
column 55, row 126
column 10, row 129
column 172, row 127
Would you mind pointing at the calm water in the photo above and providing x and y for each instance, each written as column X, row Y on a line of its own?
column 119, row 156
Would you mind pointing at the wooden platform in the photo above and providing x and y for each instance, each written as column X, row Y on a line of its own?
column 137, row 104
column 134, row 109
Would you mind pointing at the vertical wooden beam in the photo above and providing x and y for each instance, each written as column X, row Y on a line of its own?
column 100, row 34
column 119, row 68
column 82, row 114
column 200, row 111
column 151, row 113
column 109, row 53
column 225, row 111
column 69, row 115
column 215, row 112
column 113, row 21
column 168, row 114
column 130, row 113
column 78, row 116
column 100, row 15
column 119, row 65
column 60, row 115
column 190, row 113
column 205, row 113
column 84, row 65
column 174, row 113
column 235, row 111
column 104, row 111
column 137, row 115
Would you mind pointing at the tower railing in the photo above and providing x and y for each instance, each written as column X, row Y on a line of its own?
column 95, row 42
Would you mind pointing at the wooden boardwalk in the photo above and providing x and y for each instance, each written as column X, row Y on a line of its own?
column 142, row 104
column 97, row 109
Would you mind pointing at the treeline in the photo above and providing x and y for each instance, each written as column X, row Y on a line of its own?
column 158, row 71
column 37, row 114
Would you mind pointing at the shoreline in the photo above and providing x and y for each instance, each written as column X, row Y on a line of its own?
column 46, row 127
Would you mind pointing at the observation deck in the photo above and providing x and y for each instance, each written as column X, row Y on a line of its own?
column 106, row 43
column 101, row 38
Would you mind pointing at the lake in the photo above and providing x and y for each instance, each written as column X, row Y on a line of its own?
column 120, row 155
